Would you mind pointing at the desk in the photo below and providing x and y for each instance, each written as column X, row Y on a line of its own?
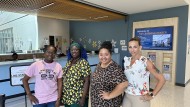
column 8, row 90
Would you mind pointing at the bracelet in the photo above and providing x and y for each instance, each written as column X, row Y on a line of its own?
column 152, row 95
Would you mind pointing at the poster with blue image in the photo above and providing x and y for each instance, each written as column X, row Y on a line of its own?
column 156, row 38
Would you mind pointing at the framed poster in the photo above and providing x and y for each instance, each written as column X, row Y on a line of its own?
column 156, row 38
column 152, row 56
column 124, row 48
column 166, row 67
column 17, row 74
column 167, row 76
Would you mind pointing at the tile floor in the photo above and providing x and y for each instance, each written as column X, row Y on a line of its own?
column 172, row 96
column 169, row 96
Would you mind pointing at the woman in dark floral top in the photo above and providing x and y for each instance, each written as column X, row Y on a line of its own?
column 108, row 81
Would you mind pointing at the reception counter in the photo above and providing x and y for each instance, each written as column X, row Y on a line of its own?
column 23, row 56
column 14, row 91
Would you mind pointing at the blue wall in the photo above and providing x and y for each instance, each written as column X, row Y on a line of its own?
column 99, row 31
column 122, row 29
column 182, row 14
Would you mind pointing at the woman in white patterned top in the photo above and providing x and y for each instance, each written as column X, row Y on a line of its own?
column 137, row 71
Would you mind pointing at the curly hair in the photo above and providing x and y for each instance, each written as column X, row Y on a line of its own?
column 83, row 53
column 106, row 45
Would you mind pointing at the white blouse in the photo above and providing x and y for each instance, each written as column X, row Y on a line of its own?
column 137, row 75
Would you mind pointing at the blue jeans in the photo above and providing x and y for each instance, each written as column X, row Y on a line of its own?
column 49, row 104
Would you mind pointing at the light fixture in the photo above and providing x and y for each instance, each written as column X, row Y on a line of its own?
column 77, row 19
column 100, row 17
column 46, row 5
column 37, row 8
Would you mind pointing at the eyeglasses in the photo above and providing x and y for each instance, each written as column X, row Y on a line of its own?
column 48, row 52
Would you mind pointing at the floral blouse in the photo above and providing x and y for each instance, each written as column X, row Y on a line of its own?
column 73, row 81
column 137, row 75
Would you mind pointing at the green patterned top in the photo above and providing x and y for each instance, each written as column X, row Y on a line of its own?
column 73, row 81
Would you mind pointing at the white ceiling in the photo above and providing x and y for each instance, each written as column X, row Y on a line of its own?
column 137, row 6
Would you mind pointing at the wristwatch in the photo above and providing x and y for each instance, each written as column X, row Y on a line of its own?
column 152, row 95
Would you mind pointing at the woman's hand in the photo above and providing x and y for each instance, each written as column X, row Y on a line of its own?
column 118, row 90
column 33, row 99
column 146, row 97
column 81, row 102
column 104, row 95
column 57, row 103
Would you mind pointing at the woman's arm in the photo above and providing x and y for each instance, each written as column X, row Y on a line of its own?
column 161, row 80
column 85, row 90
column 32, row 98
column 59, row 86
column 118, row 90
column 26, row 84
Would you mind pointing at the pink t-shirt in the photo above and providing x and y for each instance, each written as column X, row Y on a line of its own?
column 46, row 75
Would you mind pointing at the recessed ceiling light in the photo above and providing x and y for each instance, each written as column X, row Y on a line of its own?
column 47, row 5
column 77, row 19
column 100, row 17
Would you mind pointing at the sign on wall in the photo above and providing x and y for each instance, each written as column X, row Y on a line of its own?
column 17, row 74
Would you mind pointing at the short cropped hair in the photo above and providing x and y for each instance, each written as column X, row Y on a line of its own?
column 46, row 48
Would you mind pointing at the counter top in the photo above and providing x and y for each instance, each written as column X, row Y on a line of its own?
column 5, row 73
column 16, row 62
column 20, row 53
column 90, row 56
column 31, row 60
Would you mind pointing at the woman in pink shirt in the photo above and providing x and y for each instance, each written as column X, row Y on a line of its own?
column 48, row 83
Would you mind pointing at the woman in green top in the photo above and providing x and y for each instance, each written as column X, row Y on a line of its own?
column 76, row 77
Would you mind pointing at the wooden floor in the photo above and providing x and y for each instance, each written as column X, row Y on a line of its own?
column 169, row 96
